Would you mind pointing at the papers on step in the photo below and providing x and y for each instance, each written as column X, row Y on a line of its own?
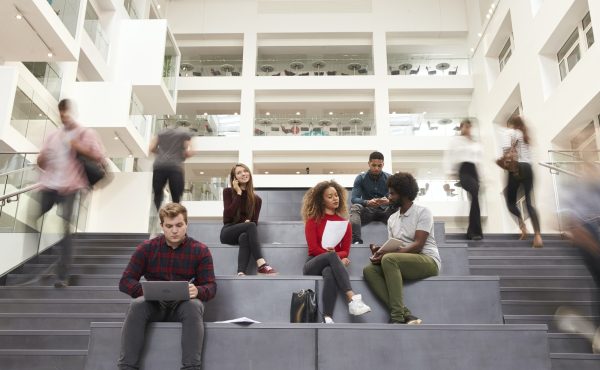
column 334, row 233
column 239, row 320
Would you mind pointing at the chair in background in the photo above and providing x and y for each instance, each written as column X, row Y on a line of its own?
column 196, row 74
column 304, row 74
column 395, row 72
column 234, row 73
column 276, row 74
column 363, row 71
column 215, row 72
column 449, row 191
column 431, row 71
column 453, row 72
column 415, row 71
column 289, row 73
column 331, row 73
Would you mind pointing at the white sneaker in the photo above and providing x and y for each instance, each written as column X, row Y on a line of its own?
column 327, row 320
column 357, row 306
column 570, row 321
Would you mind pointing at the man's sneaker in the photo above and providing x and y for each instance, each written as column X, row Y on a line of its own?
column 61, row 283
column 357, row 241
column 327, row 320
column 357, row 306
column 267, row 270
column 241, row 274
column 412, row 320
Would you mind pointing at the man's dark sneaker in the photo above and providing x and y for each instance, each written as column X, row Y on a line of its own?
column 412, row 320
column 357, row 241
column 61, row 283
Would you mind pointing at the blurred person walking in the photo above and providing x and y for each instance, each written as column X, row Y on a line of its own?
column 461, row 161
column 172, row 148
column 517, row 160
column 63, row 175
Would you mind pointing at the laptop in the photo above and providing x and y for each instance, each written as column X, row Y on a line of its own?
column 166, row 290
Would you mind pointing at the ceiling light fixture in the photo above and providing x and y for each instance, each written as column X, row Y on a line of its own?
column 493, row 5
column 205, row 114
column 479, row 34
column 202, row 172
column 361, row 113
column 297, row 113
column 19, row 16
column 268, row 113
column 266, row 172
column 50, row 55
column 235, row 113
column 297, row 172
column 487, row 15
column 116, row 137
column 472, row 50
column 331, row 172
column 393, row 112
column 130, row 155
column 331, row 113
column 158, row 6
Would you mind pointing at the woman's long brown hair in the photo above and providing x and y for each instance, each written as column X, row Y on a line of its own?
column 251, row 203
column 517, row 123
column 313, row 205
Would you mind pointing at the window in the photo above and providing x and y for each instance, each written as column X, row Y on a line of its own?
column 586, row 24
column 583, row 136
column 578, row 42
column 569, row 54
column 505, row 53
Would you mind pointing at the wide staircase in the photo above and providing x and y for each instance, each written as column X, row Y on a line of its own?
column 473, row 319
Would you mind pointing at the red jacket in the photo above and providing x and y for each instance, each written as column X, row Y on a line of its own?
column 314, row 233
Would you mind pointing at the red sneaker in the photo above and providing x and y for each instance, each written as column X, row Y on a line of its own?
column 267, row 270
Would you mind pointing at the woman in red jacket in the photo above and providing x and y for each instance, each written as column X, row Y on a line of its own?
column 327, row 201
column 240, row 217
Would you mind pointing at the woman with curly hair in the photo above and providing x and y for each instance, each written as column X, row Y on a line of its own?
column 418, row 257
column 327, row 201
column 241, row 208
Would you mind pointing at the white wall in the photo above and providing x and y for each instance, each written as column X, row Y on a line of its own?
column 16, row 247
column 123, row 206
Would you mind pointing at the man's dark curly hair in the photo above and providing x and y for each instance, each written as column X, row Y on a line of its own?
column 404, row 184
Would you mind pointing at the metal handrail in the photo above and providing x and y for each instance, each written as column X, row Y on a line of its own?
column 558, row 169
column 18, row 170
column 6, row 198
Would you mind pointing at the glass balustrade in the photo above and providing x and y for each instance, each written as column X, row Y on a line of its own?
column 202, row 125
column 428, row 65
column 314, row 66
column 170, row 66
column 213, row 66
column 424, row 125
column 209, row 189
column 337, row 124
column 68, row 12
column 131, row 8
column 47, row 75
column 142, row 122
column 29, row 120
column 438, row 190
column 99, row 38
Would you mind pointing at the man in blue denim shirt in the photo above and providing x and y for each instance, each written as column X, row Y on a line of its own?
column 369, row 197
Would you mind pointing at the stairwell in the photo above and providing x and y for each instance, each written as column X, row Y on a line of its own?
column 43, row 328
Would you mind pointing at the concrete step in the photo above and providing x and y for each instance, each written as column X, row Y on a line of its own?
column 111, row 280
column 548, row 294
column 501, row 237
column 36, row 359
column 499, row 347
column 37, row 305
column 71, row 292
column 547, row 282
column 524, row 260
column 570, row 361
column 534, row 307
column 542, row 319
column 568, row 343
column 77, row 268
column 110, row 236
column 44, row 339
column 468, row 300
column 54, row 321
column 285, row 232
column 530, row 270
column 517, row 252
column 288, row 260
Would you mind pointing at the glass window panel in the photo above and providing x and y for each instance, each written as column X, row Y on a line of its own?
column 505, row 49
column 573, row 58
column 563, row 70
column 583, row 136
column 572, row 40
column 586, row 20
column 590, row 37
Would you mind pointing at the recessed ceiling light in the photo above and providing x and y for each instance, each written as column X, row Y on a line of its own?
column 50, row 55
column 158, row 6
column 479, row 34
column 202, row 172
column 490, row 11
column 297, row 172
column 429, row 172
column 235, row 114
column 268, row 113
column 297, row 113
column 116, row 138
column 19, row 16
column 331, row 172
column 361, row 113
column 130, row 155
column 487, row 15
column 424, row 113
column 39, row 114
column 266, row 172
column 472, row 50
column 331, row 113
column 393, row 112
column 493, row 5
column 205, row 114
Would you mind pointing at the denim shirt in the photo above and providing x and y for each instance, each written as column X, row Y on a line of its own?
column 365, row 188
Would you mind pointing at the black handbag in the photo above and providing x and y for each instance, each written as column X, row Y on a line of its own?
column 304, row 307
column 94, row 170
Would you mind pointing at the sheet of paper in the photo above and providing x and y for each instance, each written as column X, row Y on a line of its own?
column 334, row 233
column 239, row 320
